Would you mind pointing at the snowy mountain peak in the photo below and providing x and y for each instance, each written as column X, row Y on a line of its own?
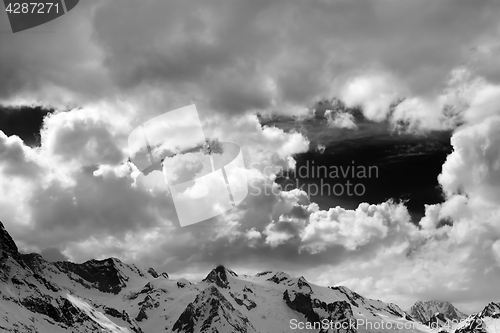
column 212, row 312
column 219, row 276
column 488, row 320
column 435, row 311
column 491, row 310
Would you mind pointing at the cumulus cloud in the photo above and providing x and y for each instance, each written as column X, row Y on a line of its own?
column 374, row 94
column 474, row 167
column 340, row 119
column 78, row 188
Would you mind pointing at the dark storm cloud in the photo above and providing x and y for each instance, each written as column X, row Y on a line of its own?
column 229, row 52
column 239, row 55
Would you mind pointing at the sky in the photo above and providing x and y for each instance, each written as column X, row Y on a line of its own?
column 417, row 67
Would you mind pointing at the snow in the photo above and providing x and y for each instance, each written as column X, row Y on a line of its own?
column 97, row 316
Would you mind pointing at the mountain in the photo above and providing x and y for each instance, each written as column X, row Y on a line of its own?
column 488, row 320
column 436, row 313
column 112, row 296
column 43, row 297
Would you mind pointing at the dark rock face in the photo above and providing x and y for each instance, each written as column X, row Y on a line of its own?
column 7, row 244
column 8, row 248
column 436, row 320
column 211, row 309
column 153, row 273
column 34, row 261
column 219, row 276
column 112, row 312
column 279, row 277
column 354, row 298
column 101, row 274
column 263, row 273
column 142, row 315
column 245, row 301
column 64, row 312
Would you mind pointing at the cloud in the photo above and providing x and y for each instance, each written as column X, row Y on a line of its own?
column 83, row 138
column 374, row 94
column 277, row 56
column 474, row 167
column 17, row 159
column 77, row 189
column 340, row 119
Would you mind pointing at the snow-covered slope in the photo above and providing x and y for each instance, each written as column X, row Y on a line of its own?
column 111, row 296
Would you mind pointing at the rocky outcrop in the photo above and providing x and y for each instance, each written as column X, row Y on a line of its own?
column 103, row 275
column 212, row 312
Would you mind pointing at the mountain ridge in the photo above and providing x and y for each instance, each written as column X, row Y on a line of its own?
column 111, row 296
